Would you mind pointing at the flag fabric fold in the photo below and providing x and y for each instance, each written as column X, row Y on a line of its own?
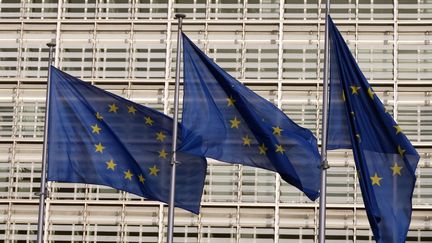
column 97, row 137
column 385, row 159
column 224, row 120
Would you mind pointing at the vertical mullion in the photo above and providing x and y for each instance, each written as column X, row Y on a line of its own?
column 130, row 56
column 160, row 224
column 85, row 224
column 94, row 53
column 58, row 32
column 239, row 200
column 395, row 60
column 168, row 53
column 279, row 105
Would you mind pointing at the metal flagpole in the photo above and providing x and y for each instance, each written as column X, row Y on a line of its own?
column 324, row 162
column 42, row 194
column 174, row 137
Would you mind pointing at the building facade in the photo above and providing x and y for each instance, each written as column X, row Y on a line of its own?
column 275, row 47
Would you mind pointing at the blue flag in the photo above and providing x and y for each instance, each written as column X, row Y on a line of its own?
column 225, row 120
column 97, row 137
column 385, row 159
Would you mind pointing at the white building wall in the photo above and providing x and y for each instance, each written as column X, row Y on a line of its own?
column 273, row 46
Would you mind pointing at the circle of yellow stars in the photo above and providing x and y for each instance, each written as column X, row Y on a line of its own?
column 246, row 140
column 111, row 164
column 395, row 168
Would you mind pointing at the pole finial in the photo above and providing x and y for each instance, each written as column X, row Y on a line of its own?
column 180, row 16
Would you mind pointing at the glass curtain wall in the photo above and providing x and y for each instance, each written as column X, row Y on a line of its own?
column 275, row 47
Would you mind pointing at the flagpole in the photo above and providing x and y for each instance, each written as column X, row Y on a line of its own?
column 324, row 162
column 42, row 194
column 174, row 137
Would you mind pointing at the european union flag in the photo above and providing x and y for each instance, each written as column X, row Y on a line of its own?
column 225, row 120
column 97, row 137
column 385, row 159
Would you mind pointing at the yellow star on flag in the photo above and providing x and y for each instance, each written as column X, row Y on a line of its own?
column 113, row 108
column 128, row 175
column 235, row 123
column 262, row 149
column 96, row 129
column 131, row 109
column 111, row 165
column 401, row 151
column 99, row 116
column 396, row 169
column 230, row 101
column 358, row 137
column 148, row 121
column 99, row 148
column 398, row 129
column 163, row 154
column 277, row 131
column 279, row 148
column 354, row 89
column 371, row 93
column 376, row 180
column 246, row 141
column 141, row 178
column 154, row 170
column 160, row 136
